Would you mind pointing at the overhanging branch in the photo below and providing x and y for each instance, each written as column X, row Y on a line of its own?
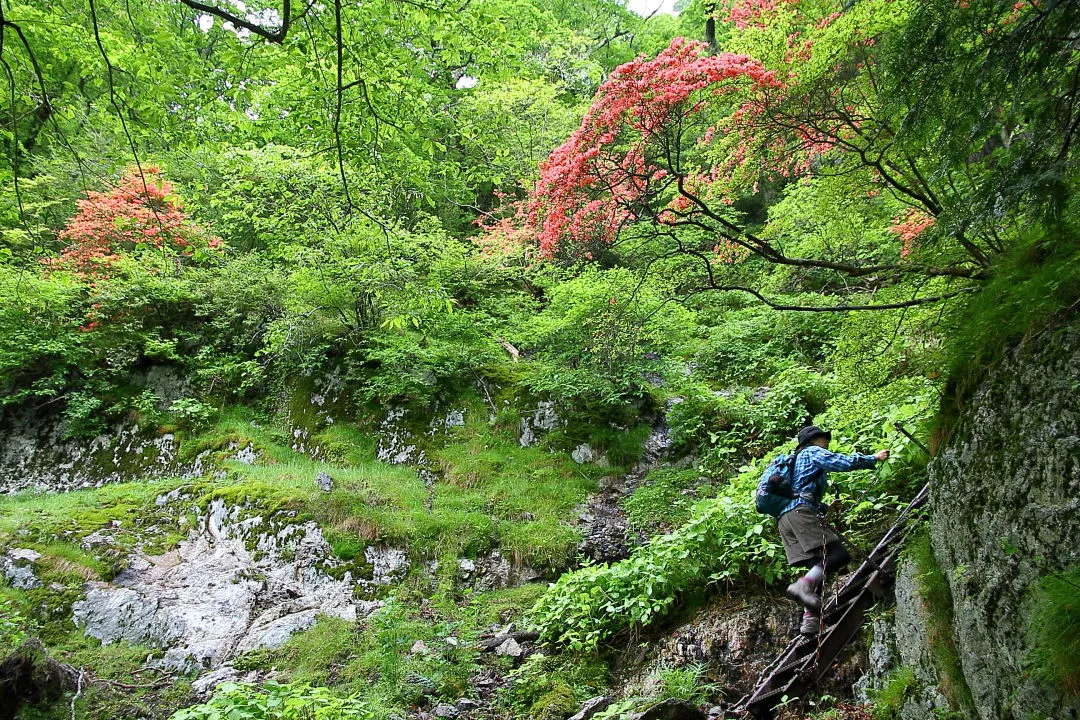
column 830, row 308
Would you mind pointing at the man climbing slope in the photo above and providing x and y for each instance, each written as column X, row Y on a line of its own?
column 808, row 541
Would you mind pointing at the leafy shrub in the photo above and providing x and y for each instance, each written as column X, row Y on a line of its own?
column 722, row 542
column 750, row 345
column 82, row 416
column 190, row 413
column 14, row 626
column 275, row 701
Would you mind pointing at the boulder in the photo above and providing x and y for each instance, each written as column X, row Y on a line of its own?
column 238, row 584
column 17, row 567
column 510, row 648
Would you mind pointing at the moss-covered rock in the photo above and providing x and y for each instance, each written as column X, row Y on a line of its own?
column 1005, row 513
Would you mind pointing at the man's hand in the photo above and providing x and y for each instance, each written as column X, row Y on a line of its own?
column 882, row 455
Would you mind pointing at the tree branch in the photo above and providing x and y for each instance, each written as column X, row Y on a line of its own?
column 274, row 36
column 830, row 308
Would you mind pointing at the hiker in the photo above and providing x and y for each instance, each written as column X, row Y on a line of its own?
column 808, row 541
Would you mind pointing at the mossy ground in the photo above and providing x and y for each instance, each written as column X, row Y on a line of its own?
column 663, row 502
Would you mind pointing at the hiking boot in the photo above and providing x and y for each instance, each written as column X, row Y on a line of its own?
column 805, row 592
column 811, row 623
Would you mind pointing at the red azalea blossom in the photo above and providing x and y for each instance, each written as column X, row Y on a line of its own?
column 141, row 210
column 909, row 227
column 589, row 184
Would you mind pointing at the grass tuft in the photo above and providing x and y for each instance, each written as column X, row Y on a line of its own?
column 938, row 602
column 1054, row 632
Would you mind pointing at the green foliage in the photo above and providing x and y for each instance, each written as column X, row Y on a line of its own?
column 275, row 701
column 190, row 413
column 724, row 541
column 898, row 687
column 15, row 628
column 592, row 336
column 749, row 345
column 1032, row 291
column 685, row 683
column 1054, row 631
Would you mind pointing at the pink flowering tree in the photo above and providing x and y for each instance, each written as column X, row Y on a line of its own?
column 674, row 150
column 141, row 212
column 637, row 155
column 661, row 157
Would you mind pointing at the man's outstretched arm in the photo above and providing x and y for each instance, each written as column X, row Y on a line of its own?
column 835, row 462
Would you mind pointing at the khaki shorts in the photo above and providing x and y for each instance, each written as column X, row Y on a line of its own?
column 805, row 534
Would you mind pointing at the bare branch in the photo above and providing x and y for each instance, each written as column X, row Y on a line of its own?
column 831, row 308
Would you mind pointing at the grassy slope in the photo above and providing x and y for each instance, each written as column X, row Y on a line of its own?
column 492, row 494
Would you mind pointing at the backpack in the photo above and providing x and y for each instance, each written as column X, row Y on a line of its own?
column 774, row 489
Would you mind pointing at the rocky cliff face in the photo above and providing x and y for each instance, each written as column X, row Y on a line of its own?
column 1005, row 512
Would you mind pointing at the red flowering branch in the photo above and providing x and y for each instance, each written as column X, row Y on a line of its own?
column 628, row 147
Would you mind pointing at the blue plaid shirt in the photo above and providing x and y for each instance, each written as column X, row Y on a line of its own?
column 811, row 478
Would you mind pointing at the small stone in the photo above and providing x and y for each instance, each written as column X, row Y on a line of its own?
column 465, row 704
column 510, row 648
column 452, row 641
column 247, row 455
column 418, row 647
column 324, row 482
column 583, row 453
column 446, row 711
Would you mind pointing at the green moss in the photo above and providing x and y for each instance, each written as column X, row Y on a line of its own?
column 937, row 600
column 60, row 519
column 553, row 686
column 558, row 702
column 315, row 656
column 1054, row 632
column 658, row 505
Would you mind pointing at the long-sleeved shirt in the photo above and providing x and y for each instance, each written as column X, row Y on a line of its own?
column 811, row 476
